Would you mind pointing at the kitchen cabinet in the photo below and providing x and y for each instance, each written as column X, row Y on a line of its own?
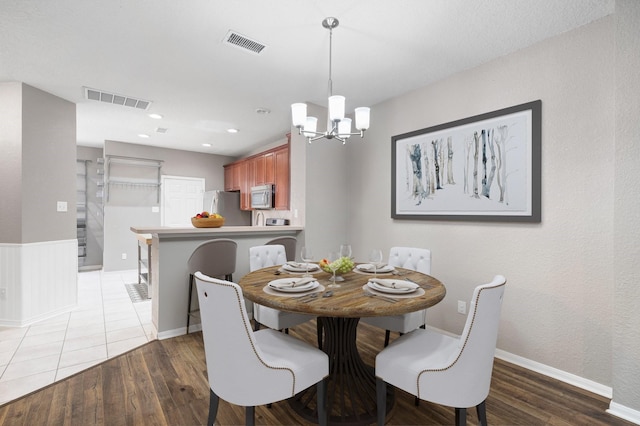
column 228, row 177
column 268, row 167
column 232, row 177
column 258, row 164
column 282, row 175
column 245, row 185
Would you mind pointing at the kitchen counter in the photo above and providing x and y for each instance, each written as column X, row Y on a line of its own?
column 171, row 248
column 168, row 231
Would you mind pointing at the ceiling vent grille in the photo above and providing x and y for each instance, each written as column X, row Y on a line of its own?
column 161, row 130
column 241, row 42
column 111, row 98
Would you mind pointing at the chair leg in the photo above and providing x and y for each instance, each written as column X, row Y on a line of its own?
column 189, row 301
column 461, row 416
column 319, row 331
column 381, row 400
column 256, row 325
column 213, row 408
column 250, row 419
column 387, row 334
column 481, row 409
column 322, row 402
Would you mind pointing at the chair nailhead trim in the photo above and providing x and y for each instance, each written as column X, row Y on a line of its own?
column 246, row 329
column 475, row 309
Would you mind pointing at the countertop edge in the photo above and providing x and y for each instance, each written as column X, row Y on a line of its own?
column 171, row 231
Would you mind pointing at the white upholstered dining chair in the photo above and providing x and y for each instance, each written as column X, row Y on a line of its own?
column 262, row 257
column 446, row 370
column 416, row 259
column 250, row 368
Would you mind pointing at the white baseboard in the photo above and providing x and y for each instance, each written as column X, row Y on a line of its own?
column 179, row 331
column 563, row 376
column 546, row 370
column 33, row 320
column 624, row 412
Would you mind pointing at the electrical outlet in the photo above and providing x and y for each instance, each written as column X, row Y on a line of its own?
column 124, row 256
column 3, row 293
column 462, row 307
column 61, row 206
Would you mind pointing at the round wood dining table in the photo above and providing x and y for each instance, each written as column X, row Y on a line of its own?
column 351, row 390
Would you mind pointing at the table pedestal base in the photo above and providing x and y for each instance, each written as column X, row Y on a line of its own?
column 351, row 387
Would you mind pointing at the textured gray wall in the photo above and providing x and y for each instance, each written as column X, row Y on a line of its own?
column 11, row 162
column 625, row 329
column 39, row 139
column 48, row 166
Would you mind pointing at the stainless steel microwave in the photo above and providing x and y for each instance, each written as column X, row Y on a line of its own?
column 263, row 197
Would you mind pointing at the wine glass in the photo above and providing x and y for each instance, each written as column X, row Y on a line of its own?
column 375, row 257
column 333, row 265
column 307, row 256
column 345, row 250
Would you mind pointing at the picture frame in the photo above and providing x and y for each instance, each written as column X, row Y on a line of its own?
column 481, row 168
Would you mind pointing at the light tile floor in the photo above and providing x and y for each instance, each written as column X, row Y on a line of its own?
column 104, row 325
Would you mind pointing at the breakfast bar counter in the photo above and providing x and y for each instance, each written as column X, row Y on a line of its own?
column 171, row 247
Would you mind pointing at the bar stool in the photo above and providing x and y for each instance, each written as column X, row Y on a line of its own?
column 289, row 244
column 214, row 258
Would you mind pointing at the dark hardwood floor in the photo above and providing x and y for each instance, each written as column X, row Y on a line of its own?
column 164, row 383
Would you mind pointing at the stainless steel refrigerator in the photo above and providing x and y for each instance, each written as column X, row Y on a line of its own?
column 226, row 204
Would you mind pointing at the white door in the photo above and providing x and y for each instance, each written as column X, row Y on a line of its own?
column 181, row 199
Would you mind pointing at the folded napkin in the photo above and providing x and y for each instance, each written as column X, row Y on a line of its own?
column 294, row 282
column 394, row 283
column 370, row 267
column 300, row 265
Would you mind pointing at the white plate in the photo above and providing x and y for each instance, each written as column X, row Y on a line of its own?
column 300, row 267
column 281, row 285
column 368, row 268
column 408, row 287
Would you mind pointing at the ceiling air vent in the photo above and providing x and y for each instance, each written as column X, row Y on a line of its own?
column 161, row 130
column 110, row 98
column 241, row 42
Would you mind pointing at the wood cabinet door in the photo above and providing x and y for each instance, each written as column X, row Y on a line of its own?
column 269, row 168
column 228, row 177
column 259, row 170
column 245, row 185
column 282, row 174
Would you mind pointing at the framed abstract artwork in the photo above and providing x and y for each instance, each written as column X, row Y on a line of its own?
column 480, row 168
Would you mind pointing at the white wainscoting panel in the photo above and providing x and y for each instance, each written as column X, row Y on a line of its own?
column 37, row 281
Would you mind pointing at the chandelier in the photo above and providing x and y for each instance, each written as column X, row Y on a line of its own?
column 338, row 126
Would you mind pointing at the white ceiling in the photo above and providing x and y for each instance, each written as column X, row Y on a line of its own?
column 171, row 53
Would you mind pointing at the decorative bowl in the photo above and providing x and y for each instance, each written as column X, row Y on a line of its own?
column 345, row 265
column 207, row 222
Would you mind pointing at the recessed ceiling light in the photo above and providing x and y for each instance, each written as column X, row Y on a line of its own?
column 206, row 144
column 142, row 135
column 232, row 130
column 155, row 116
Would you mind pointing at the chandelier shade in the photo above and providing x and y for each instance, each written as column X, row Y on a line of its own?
column 338, row 126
